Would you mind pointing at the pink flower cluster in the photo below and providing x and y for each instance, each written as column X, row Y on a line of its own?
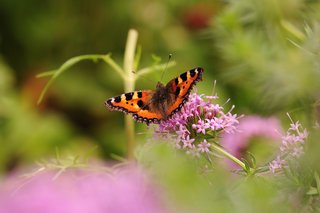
column 292, row 146
column 198, row 122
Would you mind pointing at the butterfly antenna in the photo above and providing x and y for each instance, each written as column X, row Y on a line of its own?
column 170, row 55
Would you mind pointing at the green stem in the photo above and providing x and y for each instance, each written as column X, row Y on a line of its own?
column 71, row 62
column 128, row 67
column 231, row 157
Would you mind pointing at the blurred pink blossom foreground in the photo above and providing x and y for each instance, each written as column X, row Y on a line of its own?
column 80, row 192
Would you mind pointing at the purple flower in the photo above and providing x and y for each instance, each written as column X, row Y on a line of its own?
column 198, row 117
column 187, row 142
column 292, row 146
column 204, row 146
column 201, row 127
column 80, row 191
column 182, row 132
column 276, row 164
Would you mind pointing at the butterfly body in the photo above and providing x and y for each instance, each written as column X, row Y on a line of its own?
column 152, row 106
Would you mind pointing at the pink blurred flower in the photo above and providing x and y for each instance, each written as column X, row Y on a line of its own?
column 76, row 191
column 292, row 146
column 276, row 164
column 250, row 126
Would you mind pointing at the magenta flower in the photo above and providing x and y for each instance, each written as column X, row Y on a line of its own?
column 204, row 146
column 249, row 127
column 292, row 146
column 200, row 127
column 199, row 117
column 276, row 164
column 79, row 191
column 187, row 142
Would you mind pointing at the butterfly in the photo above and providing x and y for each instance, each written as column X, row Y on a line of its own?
column 153, row 106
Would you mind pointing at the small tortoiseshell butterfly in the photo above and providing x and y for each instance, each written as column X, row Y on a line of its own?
column 152, row 106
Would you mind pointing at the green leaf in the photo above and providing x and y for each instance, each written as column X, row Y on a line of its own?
column 312, row 191
column 252, row 159
column 247, row 165
column 156, row 59
column 117, row 157
column 86, row 157
column 262, row 169
column 239, row 172
column 287, row 173
column 292, row 29
column 48, row 73
column 155, row 68
column 57, row 155
column 316, row 177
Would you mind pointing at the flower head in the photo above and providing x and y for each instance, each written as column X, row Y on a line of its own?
column 198, row 122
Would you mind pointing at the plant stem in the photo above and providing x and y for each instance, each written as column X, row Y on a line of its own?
column 65, row 66
column 128, row 67
column 228, row 155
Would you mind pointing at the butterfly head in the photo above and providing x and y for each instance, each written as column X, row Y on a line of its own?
column 160, row 85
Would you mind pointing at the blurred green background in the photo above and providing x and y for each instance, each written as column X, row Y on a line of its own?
column 264, row 55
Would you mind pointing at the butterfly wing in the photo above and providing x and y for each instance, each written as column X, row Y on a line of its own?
column 181, row 87
column 131, row 102
column 135, row 103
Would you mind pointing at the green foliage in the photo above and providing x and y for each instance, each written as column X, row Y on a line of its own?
column 257, row 39
column 187, row 189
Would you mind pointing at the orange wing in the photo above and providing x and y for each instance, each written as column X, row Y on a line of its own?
column 135, row 103
column 182, row 86
column 130, row 103
column 146, row 116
